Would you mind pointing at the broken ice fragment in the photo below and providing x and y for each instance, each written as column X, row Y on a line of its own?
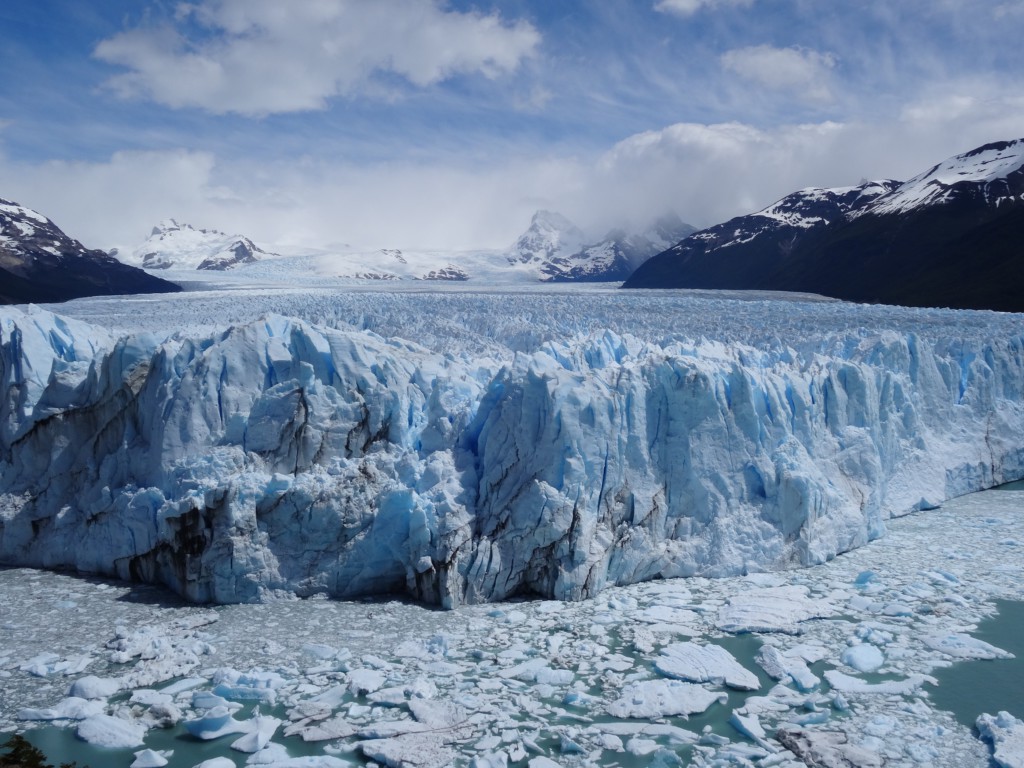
column 705, row 664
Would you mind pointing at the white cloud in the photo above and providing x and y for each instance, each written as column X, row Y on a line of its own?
column 257, row 57
column 705, row 173
column 690, row 7
column 709, row 173
column 803, row 72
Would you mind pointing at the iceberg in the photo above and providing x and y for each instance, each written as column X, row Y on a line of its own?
column 279, row 456
column 1006, row 733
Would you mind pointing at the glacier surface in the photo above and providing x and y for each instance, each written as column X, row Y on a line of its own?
column 314, row 456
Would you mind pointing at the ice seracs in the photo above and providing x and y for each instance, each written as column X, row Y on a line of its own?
column 283, row 455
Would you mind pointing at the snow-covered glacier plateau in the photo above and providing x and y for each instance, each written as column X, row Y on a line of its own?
column 466, row 446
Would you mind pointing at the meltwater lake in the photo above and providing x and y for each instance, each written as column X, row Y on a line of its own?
column 865, row 656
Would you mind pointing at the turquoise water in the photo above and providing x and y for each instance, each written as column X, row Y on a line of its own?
column 969, row 688
column 1017, row 485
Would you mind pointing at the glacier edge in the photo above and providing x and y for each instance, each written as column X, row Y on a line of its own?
column 281, row 456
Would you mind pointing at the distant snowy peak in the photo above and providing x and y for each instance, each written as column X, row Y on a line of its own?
column 559, row 251
column 987, row 175
column 40, row 263
column 618, row 254
column 181, row 246
column 549, row 235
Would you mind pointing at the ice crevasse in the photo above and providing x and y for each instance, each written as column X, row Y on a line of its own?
column 282, row 457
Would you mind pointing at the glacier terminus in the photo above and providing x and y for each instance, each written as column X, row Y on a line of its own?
column 316, row 452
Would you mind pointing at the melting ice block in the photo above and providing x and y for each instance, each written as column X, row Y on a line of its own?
column 113, row 732
column 215, row 723
column 1006, row 733
column 705, row 664
column 651, row 699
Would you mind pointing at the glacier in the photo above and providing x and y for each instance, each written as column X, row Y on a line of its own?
column 282, row 455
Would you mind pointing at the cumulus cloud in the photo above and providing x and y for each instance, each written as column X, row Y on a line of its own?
column 690, row 7
column 706, row 173
column 800, row 71
column 709, row 173
column 257, row 57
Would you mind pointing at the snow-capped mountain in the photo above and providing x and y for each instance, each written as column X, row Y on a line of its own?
column 172, row 244
column 552, row 249
column 952, row 236
column 549, row 235
column 559, row 252
column 618, row 255
column 39, row 263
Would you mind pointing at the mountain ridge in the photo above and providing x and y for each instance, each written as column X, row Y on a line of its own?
column 950, row 236
column 39, row 263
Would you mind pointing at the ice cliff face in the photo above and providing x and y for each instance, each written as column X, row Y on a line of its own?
column 278, row 455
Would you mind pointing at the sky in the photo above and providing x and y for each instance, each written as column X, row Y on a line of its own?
column 446, row 124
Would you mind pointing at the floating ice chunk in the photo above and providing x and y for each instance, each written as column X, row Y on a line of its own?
column 963, row 646
column 364, row 681
column 705, row 664
column 490, row 760
column 863, row 657
column 318, row 651
column 216, row 762
column 847, row 684
column 46, row 664
column 1006, row 733
column 527, row 671
column 750, row 726
column 555, row 677
column 209, row 700
column 438, row 714
column 650, row 699
column 276, row 756
column 262, row 730
column 786, row 668
column 641, row 747
column 325, row 730
column 71, row 708
column 113, row 732
column 251, row 686
column 147, row 697
column 147, row 758
column 427, row 750
column 181, row 686
column 215, row 723
column 818, row 747
column 772, row 609
column 92, row 687
column 543, row 762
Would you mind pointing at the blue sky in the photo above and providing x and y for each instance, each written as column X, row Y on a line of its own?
column 446, row 124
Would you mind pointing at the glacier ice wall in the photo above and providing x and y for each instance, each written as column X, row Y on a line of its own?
column 279, row 456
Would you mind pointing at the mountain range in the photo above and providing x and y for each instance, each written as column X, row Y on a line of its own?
column 174, row 245
column 39, row 263
column 953, row 236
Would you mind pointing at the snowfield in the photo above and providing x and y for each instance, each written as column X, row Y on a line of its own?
column 466, row 446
